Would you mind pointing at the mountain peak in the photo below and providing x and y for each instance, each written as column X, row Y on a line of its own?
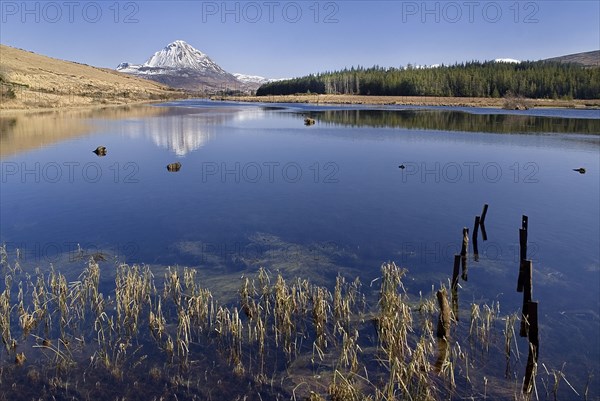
column 181, row 55
column 180, row 65
column 181, row 45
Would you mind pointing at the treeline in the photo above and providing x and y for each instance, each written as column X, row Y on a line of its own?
column 458, row 121
column 532, row 79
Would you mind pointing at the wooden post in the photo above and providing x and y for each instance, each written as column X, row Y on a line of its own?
column 465, row 242
column 454, row 296
column 455, row 271
column 483, row 232
column 483, row 213
column 530, row 370
column 523, row 236
column 443, row 328
column 475, row 232
column 534, row 338
column 534, row 344
column 527, row 291
column 521, row 278
column 443, row 349
column 482, row 222
column 523, row 244
column 465, row 269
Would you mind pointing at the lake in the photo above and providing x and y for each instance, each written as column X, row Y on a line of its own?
column 258, row 188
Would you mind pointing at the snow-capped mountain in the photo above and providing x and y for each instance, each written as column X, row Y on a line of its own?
column 181, row 55
column 182, row 66
column 255, row 79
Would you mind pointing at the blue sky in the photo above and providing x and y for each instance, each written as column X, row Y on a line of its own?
column 276, row 38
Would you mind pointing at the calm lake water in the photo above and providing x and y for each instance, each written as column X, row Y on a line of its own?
column 258, row 187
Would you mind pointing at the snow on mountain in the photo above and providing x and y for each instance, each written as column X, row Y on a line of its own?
column 180, row 54
column 128, row 68
column 182, row 66
column 176, row 55
column 507, row 60
column 255, row 79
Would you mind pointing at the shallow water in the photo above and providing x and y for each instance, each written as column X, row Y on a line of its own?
column 257, row 187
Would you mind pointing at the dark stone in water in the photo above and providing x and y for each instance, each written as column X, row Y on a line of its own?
column 309, row 121
column 174, row 167
column 100, row 151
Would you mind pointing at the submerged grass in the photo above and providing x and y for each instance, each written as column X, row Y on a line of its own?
column 286, row 338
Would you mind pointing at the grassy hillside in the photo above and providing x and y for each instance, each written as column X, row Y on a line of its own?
column 33, row 81
column 588, row 59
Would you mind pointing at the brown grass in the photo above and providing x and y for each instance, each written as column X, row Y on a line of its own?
column 33, row 81
column 410, row 100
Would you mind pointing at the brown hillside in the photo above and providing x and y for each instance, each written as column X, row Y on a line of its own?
column 33, row 81
column 588, row 59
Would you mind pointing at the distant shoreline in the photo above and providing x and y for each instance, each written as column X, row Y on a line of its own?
column 592, row 104
column 80, row 107
column 412, row 101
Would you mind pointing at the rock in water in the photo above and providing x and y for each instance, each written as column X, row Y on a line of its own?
column 100, row 151
column 174, row 167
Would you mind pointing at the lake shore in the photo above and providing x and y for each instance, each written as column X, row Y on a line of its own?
column 88, row 104
column 410, row 101
column 79, row 107
column 34, row 102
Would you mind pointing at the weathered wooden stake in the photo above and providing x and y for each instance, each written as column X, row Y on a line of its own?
column 475, row 232
column 527, row 291
column 534, row 346
column 523, row 236
column 443, row 349
column 534, row 338
column 530, row 370
column 455, row 271
column 523, row 244
column 454, row 299
column 465, row 242
column 521, row 278
column 483, row 232
column 443, row 328
column 465, row 269
column 483, row 213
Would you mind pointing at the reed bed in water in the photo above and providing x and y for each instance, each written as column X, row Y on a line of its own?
column 285, row 339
